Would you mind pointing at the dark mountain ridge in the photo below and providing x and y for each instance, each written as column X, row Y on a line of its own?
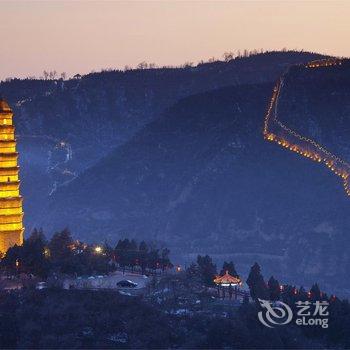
column 203, row 179
column 65, row 127
column 178, row 155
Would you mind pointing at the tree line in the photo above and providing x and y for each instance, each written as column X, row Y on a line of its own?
column 62, row 254
column 204, row 271
column 226, row 57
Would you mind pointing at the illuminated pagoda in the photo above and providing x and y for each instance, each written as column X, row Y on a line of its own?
column 228, row 283
column 11, row 213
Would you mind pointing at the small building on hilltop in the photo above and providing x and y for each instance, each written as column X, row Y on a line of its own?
column 228, row 285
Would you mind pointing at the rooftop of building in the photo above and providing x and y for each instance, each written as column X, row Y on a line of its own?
column 227, row 279
column 4, row 106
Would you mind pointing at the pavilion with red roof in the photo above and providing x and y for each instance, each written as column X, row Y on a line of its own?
column 227, row 280
column 225, row 283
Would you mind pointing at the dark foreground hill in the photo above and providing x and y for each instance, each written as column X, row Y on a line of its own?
column 78, row 319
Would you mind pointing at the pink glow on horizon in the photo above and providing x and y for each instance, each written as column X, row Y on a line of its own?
column 80, row 36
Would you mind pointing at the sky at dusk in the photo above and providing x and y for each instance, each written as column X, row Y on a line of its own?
column 81, row 36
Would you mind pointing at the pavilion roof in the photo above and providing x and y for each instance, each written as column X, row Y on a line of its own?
column 227, row 279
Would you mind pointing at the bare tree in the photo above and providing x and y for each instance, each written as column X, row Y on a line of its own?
column 187, row 65
column 228, row 56
column 52, row 74
column 142, row 65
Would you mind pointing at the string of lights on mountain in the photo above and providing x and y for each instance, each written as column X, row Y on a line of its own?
column 276, row 131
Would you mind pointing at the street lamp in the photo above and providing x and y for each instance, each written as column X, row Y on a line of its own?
column 98, row 249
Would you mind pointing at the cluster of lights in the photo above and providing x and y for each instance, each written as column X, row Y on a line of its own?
column 296, row 291
column 324, row 63
column 313, row 150
column 78, row 247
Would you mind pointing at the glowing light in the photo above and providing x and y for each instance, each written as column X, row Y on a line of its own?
column 227, row 280
column 11, row 214
column 298, row 143
column 47, row 252
column 98, row 250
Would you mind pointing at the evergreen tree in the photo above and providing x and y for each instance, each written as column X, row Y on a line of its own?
column 132, row 254
column 165, row 261
column 143, row 247
column 132, row 245
column 230, row 267
column 34, row 260
column 60, row 245
column 274, row 289
column 302, row 294
column 315, row 292
column 12, row 260
column 153, row 259
column 256, row 283
column 30, row 257
column 122, row 253
column 143, row 256
column 61, row 253
column 193, row 276
column 207, row 269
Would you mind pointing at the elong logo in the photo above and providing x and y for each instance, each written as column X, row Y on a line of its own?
column 274, row 315
column 279, row 313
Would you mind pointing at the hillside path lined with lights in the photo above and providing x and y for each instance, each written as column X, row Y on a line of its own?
column 276, row 131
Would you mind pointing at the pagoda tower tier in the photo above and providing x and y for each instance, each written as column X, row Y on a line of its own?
column 7, row 146
column 9, row 173
column 11, row 212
